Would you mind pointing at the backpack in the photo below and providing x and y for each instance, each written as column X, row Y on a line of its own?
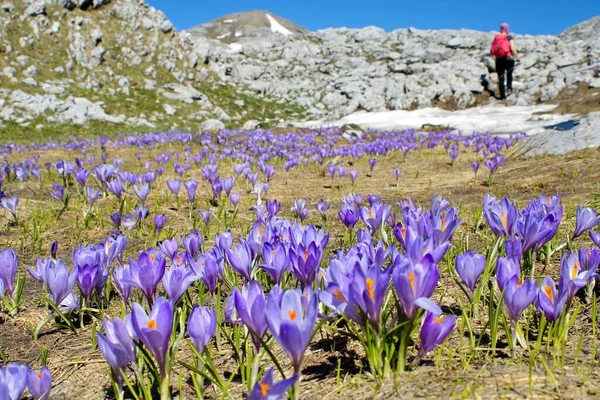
column 501, row 46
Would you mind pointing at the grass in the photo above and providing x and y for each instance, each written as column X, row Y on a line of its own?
column 335, row 366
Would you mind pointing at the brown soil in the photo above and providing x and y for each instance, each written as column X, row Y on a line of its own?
column 451, row 372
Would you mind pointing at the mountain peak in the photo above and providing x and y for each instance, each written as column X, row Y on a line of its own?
column 247, row 25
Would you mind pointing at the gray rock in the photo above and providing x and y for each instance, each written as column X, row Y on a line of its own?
column 96, row 36
column 23, row 61
column 36, row 8
column 585, row 135
column 54, row 29
column 68, row 4
column 30, row 71
column 212, row 125
column 30, row 82
column 8, row 7
column 187, row 94
column 9, row 72
column 166, row 26
column 97, row 56
column 169, row 109
column 594, row 83
column 251, row 125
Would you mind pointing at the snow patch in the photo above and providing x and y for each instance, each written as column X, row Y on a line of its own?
column 238, row 34
column 228, row 21
column 235, row 48
column 223, row 36
column 494, row 119
column 277, row 27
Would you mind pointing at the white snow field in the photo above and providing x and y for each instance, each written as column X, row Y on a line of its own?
column 497, row 119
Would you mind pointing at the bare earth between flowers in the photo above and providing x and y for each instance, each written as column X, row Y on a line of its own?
column 260, row 265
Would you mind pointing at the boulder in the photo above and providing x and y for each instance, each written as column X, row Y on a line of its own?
column 212, row 125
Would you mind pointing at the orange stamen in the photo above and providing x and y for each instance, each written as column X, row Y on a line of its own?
column 411, row 279
column 305, row 254
column 370, row 289
column 264, row 389
column 443, row 225
column 39, row 375
column 503, row 218
column 151, row 324
column 339, row 295
column 292, row 315
column 549, row 293
column 437, row 320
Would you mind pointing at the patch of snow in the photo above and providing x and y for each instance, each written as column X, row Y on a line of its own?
column 235, row 47
column 494, row 119
column 238, row 34
column 277, row 27
column 228, row 21
column 223, row 36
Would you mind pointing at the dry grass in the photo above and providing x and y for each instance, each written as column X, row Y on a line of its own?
column 81, row 373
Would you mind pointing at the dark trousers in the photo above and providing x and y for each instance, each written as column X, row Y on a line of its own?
column 504, row 67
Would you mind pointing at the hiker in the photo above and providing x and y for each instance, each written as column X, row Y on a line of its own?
column 504, row 51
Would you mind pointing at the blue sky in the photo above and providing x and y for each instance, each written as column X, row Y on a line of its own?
column 524, row 16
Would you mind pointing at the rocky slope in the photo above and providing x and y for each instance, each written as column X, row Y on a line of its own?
column 246, row 26
column 108, row 64
column 335, row 72
column 65, row 62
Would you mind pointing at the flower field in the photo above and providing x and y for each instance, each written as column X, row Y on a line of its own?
column 263, row 265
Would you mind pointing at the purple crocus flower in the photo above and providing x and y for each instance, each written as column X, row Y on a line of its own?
column 267, row 390
column 154, row 330
column 322, row 207
column 92, row 194
column 595, row 236
column 201, row 326
column 375, row 216
column 58, row 192
column 147, row 272
column 142, row 191
column 169, row 247
column 300, row 209
column 9, row 264
column 81, row 176
column 205, row 216
column 116, row 187
column 39, row 271
column 208, row 268
column 174, row 186
column 572, row 275
column 234, row 198
column 585, row 219
column 191, row 243
column 116, row 219
column 349, row 216
column 240, row 259
column 276, row 260
column 353, row 174
column 305, row 261
column 273, row 207
column 290, row 324
column 117, row 344
column 227, row 184
column 551, row 301
column 176, row 281
column 475, row 166
column 14, row 377
column 469, row 267
column 39, row 383
column 10, row 203
column 500, row 215
column 518, row 295
column 506, row 269
column 372, row 162
column 434, row 331
column 191, row 186
column 250, row 307
column 397, row 173
column 415, row 283
column 159, row 222
column 122, row 278
column 331, row 169
column 59, row 282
